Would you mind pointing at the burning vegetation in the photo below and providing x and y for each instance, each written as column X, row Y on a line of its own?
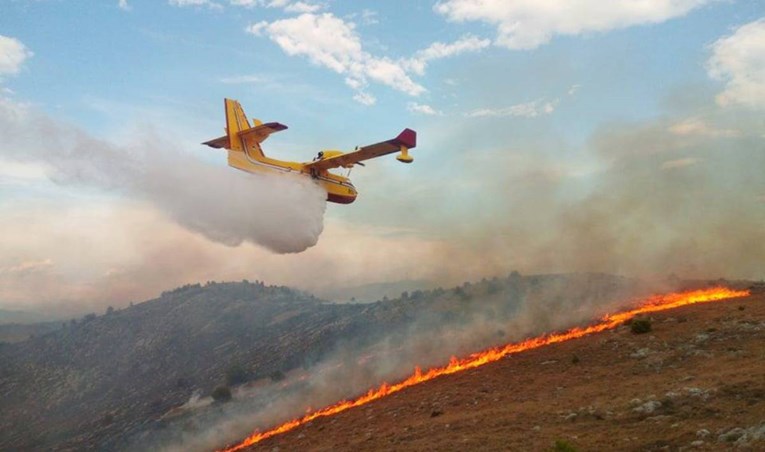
column 645, row 306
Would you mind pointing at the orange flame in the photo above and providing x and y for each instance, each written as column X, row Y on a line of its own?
column 651, row 304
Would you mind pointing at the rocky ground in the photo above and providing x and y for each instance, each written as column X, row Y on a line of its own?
column 695, row 382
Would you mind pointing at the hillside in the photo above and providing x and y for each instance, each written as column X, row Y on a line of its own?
column 114, row 381
column 100, row 379
column 696, row 381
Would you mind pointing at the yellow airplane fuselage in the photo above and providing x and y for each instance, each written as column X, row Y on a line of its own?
column 339, row 189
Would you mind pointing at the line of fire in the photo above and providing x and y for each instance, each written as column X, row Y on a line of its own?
column 647, row 305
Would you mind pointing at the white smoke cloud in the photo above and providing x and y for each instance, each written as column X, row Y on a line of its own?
column 515, row 311
column 281, row 213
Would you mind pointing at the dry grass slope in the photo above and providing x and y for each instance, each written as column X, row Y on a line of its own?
column 696, row 381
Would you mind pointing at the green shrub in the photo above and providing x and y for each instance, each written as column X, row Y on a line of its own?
column 461, row 294
column 640, row 326
column 561, row 445
column 277, row 375
column 221, row 394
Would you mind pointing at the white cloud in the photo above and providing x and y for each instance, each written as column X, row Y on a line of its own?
column 526, row 24
column 257, row 28
column 390, row 73
column 329, row 41
column 12, row 55
column 739, row 61
column 286, row 5
column 531, row 109
column 698, row 127
column 123, row 5
column 303, row 7
column 422, row 109
column 574, row 89
column 332, row 42
column 246, row 3
column 206, row 3
column 364, row 98
column 324, row 39
column 439, row 50
column 369, row 17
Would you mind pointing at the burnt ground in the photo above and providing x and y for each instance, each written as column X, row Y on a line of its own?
column 695, row 382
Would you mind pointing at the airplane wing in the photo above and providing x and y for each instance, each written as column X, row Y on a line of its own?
column 406, row 139
column 259, row 133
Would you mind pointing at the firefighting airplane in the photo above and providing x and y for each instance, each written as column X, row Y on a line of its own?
column 244, row 152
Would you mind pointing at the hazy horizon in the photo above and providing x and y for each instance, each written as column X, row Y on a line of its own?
column 551, row 139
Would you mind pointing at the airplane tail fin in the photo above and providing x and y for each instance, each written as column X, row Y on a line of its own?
column 240, row 136
column 236, row 121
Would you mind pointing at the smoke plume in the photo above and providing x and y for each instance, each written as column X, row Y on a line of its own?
column 281, row 213
column 447, row 323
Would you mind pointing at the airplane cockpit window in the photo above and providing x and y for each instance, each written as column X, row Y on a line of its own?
column 344, row 172
column 319, row 156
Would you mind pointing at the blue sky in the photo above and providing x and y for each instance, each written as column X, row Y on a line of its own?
column 156, row 55
column 522, row 112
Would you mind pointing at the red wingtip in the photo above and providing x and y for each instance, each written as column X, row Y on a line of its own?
column 407, row 138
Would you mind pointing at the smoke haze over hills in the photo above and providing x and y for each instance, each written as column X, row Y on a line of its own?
column 118, row 379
